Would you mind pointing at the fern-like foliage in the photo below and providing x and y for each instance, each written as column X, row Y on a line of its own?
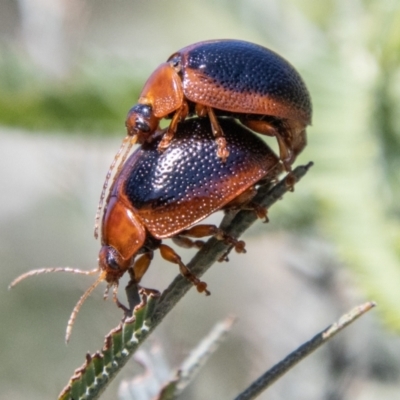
column 89, row 381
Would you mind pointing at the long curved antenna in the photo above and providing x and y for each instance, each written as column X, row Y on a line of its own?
column 47, row 270
column 79, row 305
column 131, row 141
column 125, row 155
column 105, row 185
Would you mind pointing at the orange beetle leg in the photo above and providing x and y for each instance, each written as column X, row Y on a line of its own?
column 169, row 254
column 239, row 202
column 140, row 267
column 187, row 243
column 179, row 115
column 222, row 151
column 261, row 211
column 136, row 294
column 201, row 110
column 243, row 202
column 284, row 141
column 290, row 181
column 299, row 142
column 199, row 231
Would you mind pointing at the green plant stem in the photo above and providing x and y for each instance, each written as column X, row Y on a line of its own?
column 273, row 374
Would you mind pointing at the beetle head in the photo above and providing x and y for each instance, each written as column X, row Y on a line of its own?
column 122, row 236
column 112, row 263
column 141, row 122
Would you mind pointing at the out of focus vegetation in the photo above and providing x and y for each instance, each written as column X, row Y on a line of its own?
column 86, row 101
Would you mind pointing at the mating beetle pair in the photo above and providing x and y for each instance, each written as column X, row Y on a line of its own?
column 196, row 166
column 230, row 78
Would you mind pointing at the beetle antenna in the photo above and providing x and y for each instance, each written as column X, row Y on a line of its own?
column 105, row 185
column 131, row 141
column 47, row 270
column 125, row 155
column 79, row 305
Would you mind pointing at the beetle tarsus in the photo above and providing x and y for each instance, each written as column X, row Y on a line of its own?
column 224, row 257
column 179, row 116
column 261, row 211
column 239, row 245
column 222, row 152
column 290, row 181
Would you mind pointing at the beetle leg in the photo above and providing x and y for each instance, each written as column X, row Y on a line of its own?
column 132, row 290
column 300, row 140
column 201, row 110
column 284, row 142
column 179, row 115
column 261, row 211
column 222, row 151
column 137, row 297
column 240, row 201
column 117, row 302
column 140, row 267
column 169, row 254
column 187, row 243
column 243, row 202
column 199, row 231
column 136, row 294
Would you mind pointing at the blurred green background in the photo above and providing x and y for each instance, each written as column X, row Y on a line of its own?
column 69, row 72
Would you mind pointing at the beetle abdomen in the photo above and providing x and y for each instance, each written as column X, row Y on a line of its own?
column 175, row 189
column 243, row 77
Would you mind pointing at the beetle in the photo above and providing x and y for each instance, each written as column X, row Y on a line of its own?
column 227, row 78
column 160, row 195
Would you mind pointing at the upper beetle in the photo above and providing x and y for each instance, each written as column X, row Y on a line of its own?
column 228, row 78
column 160, row 195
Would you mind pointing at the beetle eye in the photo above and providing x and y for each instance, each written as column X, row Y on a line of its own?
column 111, row 261
column 142, row 126
column 176, row 63
column 145, row 110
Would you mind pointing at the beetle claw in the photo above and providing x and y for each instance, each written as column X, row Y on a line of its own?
column 290, row 181
column 222, row 151
column 165, row 141
column 224, row 257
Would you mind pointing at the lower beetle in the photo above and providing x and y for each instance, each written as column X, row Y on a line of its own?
column 230, row 78
column 157, row 196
